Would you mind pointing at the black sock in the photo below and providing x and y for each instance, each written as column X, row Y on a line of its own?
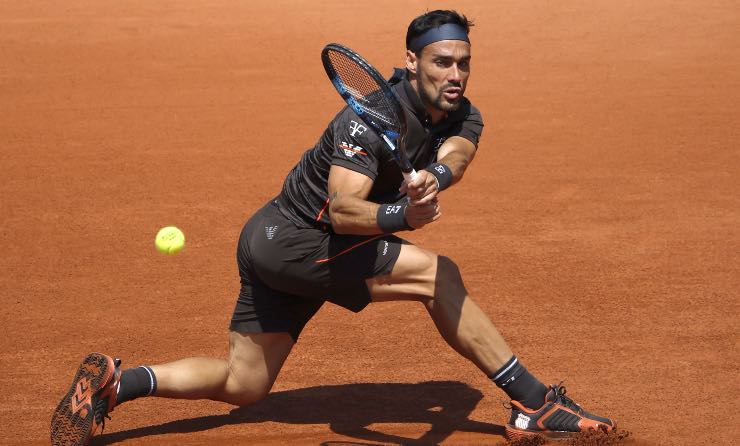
column 514, row 379
column 136, row 383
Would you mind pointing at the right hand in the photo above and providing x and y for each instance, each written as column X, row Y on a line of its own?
column 418, row 216
column 422, row 190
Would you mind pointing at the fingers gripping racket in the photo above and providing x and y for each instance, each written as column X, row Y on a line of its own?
column 371, row 98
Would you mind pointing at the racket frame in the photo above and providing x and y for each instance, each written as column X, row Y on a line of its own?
column 393, row 140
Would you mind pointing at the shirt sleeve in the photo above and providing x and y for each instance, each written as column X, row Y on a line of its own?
column 471, row 128
column 356, row 147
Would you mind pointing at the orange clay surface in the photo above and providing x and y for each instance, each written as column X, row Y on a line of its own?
column 599, row 225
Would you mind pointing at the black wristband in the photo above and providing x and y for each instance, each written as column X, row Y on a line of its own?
column 442, row 173
column 392, row 218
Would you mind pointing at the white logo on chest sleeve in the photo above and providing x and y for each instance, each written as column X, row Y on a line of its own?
column 351, row 150
column 355, row 128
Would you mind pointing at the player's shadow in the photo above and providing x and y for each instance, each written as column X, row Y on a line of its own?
column 348, row 410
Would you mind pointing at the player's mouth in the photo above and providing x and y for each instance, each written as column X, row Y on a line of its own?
column 452, row 94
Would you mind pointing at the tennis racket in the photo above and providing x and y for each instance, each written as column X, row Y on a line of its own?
column 371, row 98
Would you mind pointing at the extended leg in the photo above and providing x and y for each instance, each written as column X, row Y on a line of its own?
column 246, row 377
column 98, row 386
column 435, row 281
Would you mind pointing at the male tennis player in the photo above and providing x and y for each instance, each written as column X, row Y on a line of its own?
column 328, row 236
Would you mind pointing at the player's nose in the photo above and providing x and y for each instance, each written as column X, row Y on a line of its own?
column 454, row 74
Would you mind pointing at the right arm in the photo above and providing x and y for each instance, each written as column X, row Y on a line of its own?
column 351, row 213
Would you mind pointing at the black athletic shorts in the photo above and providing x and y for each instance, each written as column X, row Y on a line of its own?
column 288, row 272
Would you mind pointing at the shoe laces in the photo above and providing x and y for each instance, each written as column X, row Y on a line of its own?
column 560, row 398
column 101, row 413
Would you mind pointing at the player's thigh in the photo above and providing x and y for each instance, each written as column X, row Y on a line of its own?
column 413, row 277
column 255, row 359
column 420, row 275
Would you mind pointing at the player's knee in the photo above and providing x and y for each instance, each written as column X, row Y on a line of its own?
column 252, row 395
column 246, row 391
column 245, row 387
column 448, row 281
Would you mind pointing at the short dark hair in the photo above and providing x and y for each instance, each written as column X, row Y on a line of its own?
column 435, row 19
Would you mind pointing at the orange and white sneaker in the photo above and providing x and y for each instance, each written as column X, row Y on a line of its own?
column 89, row 400
column 559, row 417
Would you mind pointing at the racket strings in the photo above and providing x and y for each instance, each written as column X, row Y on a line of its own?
column 364, row 89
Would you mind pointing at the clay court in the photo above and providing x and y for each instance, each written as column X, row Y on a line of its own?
column 599, row 225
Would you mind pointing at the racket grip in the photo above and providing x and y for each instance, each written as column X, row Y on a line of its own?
column 409, row 176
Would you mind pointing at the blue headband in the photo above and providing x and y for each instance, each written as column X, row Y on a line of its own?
column 448, row 31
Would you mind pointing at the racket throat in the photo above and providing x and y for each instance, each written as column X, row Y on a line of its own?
column 388, row 141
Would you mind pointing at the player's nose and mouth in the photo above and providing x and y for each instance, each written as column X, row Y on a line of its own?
column 453, row 87
column 457, row 76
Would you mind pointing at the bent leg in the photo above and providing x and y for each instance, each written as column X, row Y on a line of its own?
column 436, row 282
column 255, row 359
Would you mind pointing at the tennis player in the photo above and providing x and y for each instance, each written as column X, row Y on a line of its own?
column 330, row 236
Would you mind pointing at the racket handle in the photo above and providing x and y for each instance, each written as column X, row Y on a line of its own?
column 409, row 176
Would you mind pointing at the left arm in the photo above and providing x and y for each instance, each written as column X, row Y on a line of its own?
column 456, row 153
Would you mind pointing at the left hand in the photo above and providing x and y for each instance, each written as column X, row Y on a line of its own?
column 422, row 190
column 420, row 215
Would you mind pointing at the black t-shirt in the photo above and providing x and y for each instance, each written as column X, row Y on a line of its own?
column 349, row 143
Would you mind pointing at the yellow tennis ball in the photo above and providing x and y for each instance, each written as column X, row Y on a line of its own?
column 170, row 240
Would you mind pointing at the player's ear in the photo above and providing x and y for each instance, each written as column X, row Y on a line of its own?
column 411, row 61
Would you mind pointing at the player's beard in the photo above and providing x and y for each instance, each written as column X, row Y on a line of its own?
column 437, row 100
